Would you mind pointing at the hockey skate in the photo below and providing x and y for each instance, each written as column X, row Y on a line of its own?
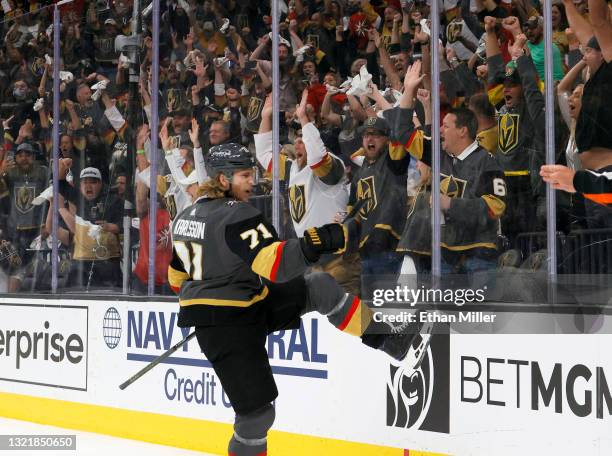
column 408, row 343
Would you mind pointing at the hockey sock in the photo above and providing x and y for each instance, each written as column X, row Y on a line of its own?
column 351, row 315
column 250, row 433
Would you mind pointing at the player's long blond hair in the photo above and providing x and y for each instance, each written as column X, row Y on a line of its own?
column 212, row 188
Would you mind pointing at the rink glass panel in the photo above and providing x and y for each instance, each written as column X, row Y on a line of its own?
column 111, row 261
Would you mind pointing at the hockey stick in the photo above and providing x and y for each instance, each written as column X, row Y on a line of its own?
column 156, row 361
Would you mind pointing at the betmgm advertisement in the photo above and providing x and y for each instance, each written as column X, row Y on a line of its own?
column 419, row 400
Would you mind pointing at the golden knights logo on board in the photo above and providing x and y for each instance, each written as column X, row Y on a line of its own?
column 297, row 198
column 366, row 190
column 452, row 186
column 508, row 126
column 23, row 198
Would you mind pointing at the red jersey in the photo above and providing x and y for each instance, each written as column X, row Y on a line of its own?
column 163, row 249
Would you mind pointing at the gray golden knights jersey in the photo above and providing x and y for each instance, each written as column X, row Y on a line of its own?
column 22, row 188
column 380, row 190
column 476, row 184
column 222, row 249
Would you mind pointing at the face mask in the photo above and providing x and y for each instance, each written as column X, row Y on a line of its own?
column 19, row 93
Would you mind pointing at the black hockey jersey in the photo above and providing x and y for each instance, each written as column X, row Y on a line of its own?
column 222, row 248
column 21, row 188
column 596, row 186
column 475, row 182
column 382, row 188
column 520, row 147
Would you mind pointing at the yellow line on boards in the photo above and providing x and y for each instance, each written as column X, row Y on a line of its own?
column 188, row 433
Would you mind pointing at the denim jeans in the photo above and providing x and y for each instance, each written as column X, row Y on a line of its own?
column 382, row 263
column 469, row 265
column 379, row 270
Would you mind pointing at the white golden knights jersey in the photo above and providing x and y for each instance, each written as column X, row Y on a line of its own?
column 318, row 190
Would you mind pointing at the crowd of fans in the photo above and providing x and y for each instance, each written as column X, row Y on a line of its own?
column 355, row 111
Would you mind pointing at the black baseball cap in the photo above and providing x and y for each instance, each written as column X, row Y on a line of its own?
column 25, row 147
column 375, row 123
column 512, row 75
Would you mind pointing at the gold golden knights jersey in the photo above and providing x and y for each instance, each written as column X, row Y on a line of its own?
column 222, row 248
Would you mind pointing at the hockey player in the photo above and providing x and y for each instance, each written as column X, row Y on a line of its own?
column 237, row 282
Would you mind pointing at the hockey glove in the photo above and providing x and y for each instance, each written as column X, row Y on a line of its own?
column 323, row 239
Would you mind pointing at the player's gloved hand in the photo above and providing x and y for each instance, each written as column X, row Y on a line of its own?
column 324, row 239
